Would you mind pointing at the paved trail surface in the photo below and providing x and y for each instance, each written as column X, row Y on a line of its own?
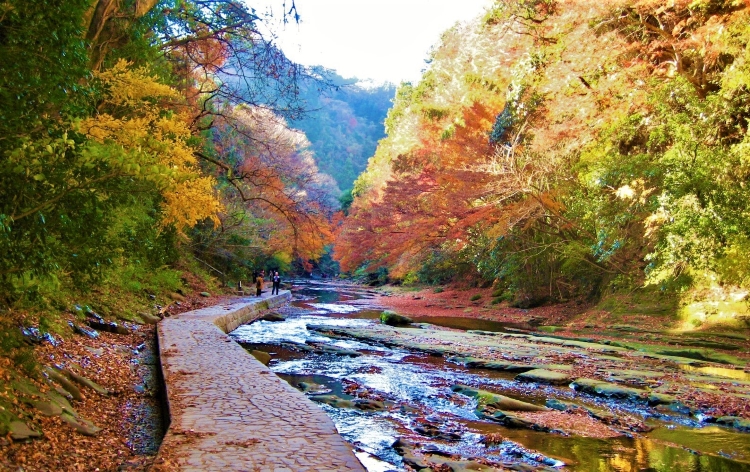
column 231, row 413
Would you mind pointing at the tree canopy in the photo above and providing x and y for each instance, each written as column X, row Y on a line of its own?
column 133, row 129
column 565, row 147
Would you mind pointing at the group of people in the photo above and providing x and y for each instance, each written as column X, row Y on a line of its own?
column 275, row 280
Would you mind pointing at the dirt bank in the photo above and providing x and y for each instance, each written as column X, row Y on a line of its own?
column 114, row 429
column 472, row 303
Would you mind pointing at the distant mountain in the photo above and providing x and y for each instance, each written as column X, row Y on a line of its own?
column 344, row 126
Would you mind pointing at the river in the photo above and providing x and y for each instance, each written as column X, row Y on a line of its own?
column 377, row 395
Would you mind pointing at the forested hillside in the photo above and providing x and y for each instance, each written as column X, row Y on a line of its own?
column 344, row 125
column 569, row 148
column 138, row 136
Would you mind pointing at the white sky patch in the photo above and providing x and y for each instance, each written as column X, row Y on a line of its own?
column 380, row 40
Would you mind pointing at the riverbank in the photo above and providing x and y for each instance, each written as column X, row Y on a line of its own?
column 112, row 420
column 713, row 374
column 477, row 303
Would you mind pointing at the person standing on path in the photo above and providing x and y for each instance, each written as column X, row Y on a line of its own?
column 276, row 279
column 258, row 284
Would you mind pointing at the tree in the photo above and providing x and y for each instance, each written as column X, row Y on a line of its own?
column 281, row 202
column 565, row 147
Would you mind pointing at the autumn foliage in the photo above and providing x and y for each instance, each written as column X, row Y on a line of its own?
column 141, row 133
column 563, row 148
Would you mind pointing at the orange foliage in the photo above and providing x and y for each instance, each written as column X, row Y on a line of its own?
column 437, row 175
column 277, row 181
column 433, row 197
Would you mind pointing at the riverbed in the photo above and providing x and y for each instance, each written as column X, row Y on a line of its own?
column 407, row 397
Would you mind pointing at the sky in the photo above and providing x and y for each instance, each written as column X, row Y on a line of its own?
column 380, row 40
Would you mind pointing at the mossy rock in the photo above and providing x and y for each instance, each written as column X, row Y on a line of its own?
column 427, row 348
column 311, row 387
column 262, row 356
column 394, row 319
column 655, row 398
column 62, row 402
column 736, row 422
column 24, row 387
column 47, row 408
column 607, row 389
column 482, row 332
column 20, row 431
column 149, row 318
column 81, row 380
column 64, row 382
column 512, row 421
column 332, row 400
column 475, row 362
column 558, row 405
column 496, row 401
column 338, row 351
column 626, row 328
column 631, row 376
column 81, row 425
column 424, row 461
column 177, row 297
column 273, row 317
column 701, row 355
column 544, row 376
column 702, row 343
column 365, row 404
column 550, row 329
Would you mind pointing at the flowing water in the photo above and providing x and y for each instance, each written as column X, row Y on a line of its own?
column 419, row 406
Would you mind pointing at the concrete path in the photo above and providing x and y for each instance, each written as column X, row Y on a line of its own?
column 231, row 413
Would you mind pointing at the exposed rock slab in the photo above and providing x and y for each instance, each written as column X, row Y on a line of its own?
column 610, row 390
column 497, row 401
column 544, row 376
column 20, row 431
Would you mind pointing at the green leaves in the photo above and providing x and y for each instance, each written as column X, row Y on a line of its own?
column 43, row 59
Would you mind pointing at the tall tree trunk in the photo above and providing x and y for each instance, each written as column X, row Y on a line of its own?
column 101, row 34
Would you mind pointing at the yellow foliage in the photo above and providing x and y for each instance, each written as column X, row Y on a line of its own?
column 132, row 88
column 134, row 115
column 190, row 201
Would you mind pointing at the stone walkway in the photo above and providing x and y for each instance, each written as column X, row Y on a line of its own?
column 231, row 413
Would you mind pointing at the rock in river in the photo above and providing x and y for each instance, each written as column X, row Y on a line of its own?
column 393, row 319
column 606, row 389
column 735, row 422
column 274, row 317
column 544, row 376
column 262, row 356
column 338, row 402
column 496, row 401
column 493, row 365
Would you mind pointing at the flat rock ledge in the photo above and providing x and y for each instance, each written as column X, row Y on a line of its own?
column 228, row 411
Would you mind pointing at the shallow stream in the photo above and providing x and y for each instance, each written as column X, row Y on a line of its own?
column 394, row 393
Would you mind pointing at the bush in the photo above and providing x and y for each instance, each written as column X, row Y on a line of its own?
column 394, row 319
